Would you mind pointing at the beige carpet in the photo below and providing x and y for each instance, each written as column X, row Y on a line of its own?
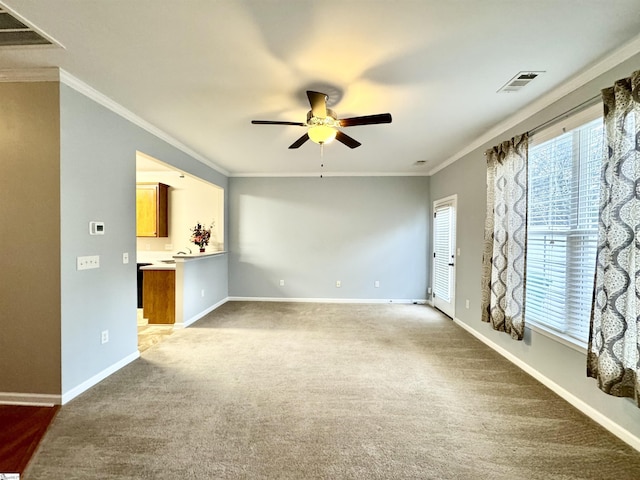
column 325, row 391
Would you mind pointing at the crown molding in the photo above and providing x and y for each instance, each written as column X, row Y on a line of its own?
column 100, row 98
column 44, row 74
column 618, row 56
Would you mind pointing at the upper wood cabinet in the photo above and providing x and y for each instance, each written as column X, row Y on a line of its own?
column 152, row 202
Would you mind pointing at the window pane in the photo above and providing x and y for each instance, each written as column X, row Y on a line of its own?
column 564, row 180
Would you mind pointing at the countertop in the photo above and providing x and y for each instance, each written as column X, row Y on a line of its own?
column 159, row 261
column 198, row 255
column 159, row 266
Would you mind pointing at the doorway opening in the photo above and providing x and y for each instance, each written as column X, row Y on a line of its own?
column 169, row 204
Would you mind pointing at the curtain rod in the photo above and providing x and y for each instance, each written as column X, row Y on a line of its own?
column 586, row 104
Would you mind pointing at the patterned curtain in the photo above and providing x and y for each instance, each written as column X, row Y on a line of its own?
column 505, row 236
column 612, row 358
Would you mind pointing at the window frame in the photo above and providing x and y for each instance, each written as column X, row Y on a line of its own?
column 567, row 124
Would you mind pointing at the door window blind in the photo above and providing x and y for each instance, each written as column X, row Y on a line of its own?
column 442, row 252
column 564, row 179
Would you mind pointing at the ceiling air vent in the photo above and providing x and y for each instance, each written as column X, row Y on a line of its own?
column 519, row 81
column 15, row 33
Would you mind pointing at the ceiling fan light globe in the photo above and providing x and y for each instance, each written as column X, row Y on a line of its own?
column 322, row 134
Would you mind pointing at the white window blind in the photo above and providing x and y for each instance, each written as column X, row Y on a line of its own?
column 442, row 252
column 564, row 180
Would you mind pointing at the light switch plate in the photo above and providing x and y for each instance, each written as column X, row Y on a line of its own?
column 88, row 262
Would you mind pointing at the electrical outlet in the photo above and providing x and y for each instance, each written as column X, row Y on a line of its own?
column 125, row 257
column 282, row 283
column 168, row 246
column 104, row 336
column 376, row 284
column 429, row 291
column 466, row 304
column 338, row 284
column 202, row 293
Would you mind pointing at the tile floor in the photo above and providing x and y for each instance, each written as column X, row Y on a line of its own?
column 149, row 335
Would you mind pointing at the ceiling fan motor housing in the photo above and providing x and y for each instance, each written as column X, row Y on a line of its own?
column 331, row 120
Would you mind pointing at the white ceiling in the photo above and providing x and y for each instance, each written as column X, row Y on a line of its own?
column 201, row 70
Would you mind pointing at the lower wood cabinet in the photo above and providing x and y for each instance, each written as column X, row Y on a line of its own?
column 159, row 296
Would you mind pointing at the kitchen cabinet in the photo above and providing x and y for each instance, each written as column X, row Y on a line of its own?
column 159, row 295
column 152, row 210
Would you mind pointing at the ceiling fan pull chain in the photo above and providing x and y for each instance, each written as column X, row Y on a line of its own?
column 321, row 157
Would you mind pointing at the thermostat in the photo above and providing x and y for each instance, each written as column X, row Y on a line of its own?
column 96, row 228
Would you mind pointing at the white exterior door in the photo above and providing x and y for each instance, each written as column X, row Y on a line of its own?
column 444, row 247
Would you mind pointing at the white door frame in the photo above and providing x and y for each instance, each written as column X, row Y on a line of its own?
column 447, row 306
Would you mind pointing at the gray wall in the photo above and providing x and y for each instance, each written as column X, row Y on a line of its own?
column 208, row 274
column 66, row 160
column 313, row 231
column 30, row 238
column 98, row 158
column 563, row 365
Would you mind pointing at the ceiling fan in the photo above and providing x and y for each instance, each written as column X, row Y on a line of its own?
column 323, row 125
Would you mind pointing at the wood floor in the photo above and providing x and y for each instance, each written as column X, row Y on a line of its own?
column 22, row 429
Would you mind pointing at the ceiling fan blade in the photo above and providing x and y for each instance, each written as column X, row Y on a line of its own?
column 366, row 120
column 318, row 102
column 270, row 122
column 347, row 140
column 300, row 141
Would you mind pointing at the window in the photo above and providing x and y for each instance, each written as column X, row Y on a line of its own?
column 564, row 180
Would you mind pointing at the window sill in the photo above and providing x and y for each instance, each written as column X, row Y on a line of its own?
column 558, row 337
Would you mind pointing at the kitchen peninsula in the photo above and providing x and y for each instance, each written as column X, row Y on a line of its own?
column 173, row 288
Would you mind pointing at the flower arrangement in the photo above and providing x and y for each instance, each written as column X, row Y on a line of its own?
column 200, row 235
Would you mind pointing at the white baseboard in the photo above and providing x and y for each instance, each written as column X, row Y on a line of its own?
column 198, row 316
column 30, row 399
column 613, row 427
column 97, row 378
column 327, row 300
